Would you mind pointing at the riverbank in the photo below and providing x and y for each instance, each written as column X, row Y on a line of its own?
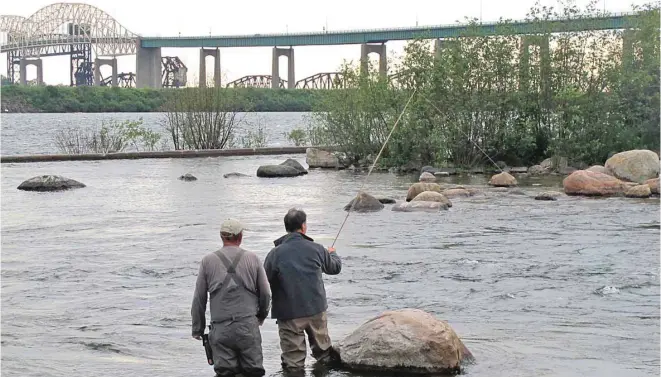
column 90, row 99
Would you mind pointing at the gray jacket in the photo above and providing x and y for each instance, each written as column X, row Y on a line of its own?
column 251, row 298
column 294, row 269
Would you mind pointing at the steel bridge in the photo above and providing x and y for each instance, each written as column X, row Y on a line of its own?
column 83, row 31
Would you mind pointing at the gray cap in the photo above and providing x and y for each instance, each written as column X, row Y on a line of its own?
column 231, row 226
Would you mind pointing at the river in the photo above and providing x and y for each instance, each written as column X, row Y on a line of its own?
column 99, row 280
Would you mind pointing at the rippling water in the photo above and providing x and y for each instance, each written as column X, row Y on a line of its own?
column 34, row 133
column 98, row 281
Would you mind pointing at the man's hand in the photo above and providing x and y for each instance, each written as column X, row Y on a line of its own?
column 331, row 249
column 198, row 337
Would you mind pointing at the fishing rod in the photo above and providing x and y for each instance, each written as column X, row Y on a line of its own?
column 353, row 203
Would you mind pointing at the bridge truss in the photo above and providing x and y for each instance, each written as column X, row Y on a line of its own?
column 255, row 81
column 73, row 29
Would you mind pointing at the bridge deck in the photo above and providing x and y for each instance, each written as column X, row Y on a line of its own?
column 618, row 21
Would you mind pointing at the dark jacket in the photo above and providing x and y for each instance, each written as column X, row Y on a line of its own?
column 293, row 269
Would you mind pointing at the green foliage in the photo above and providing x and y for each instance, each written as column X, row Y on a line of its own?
column 110, row 137
column 62, row 99
column 255, row 139
column 297, row 136
column 578, row 94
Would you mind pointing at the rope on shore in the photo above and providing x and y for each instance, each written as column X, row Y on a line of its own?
column 353, row 203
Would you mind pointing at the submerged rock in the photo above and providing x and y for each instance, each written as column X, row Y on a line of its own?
column 548, row 195
column 364, row 202
column 456, row 192
column 49, row 183
column 427, row 177
column 432, row 196
column 589, row 183
column 277, row 171
column 387, row 200
column 503, row 180
column 419, row 187
column 419, row 206
column 235, row 175
column 636, row 165
column 188, row 177
column 405, row 340
column 640, row 191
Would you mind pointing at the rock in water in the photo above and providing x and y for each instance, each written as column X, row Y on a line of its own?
column 419, row 187
column 503, row 180
column 235, row 175
column 405, row 340
column 295, row 164
column 456, row 192
column 427, row 177
column 636, row 165
column 318, row 158
column 599, row 169
column 654, row 185
column 419, row 206
column 49, row 183
column 640, row 191
column 432, row 196
column 277, row 171
column 589, row 183
column 364, row 202
column 188, row 177
column 538, row 170
column 387, row 200
column 548, row 195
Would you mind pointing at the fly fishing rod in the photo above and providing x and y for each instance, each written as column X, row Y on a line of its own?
column 353, row 202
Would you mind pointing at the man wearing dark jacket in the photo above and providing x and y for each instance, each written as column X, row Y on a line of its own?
column 293, row 269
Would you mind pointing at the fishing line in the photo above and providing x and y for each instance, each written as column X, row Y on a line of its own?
column 353, row 203
column 465, row 135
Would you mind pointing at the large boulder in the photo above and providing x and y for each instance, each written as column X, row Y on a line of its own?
column 599, row 169
column 427, row 177
column 636, row 165
column 554, row 163
column 639, row 191
column 49, row 183
column 406, row 340
column 318, row 158
column 277, row 171
column 419, row 187
column 364, row 202
column 294, row 164
column 503, row 179
column 432, row 196
column 590, row 183
column 419, row 206
column 654, row 185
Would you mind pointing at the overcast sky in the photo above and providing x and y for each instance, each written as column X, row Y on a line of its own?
column 197, row 17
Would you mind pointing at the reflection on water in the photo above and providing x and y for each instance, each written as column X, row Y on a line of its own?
column 100, row 279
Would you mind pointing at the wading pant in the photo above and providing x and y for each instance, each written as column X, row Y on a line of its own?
column 292, row 340
column 237, row 348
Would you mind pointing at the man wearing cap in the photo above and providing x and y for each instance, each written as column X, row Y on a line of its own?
column 239, row 302
column 294, row 269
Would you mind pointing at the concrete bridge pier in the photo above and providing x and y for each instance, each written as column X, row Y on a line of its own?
column 24, row 63
column 98, row 63
column 148, row 67
column 203, row 67
column 442, row 44
column 275, row 69
column 366, row 49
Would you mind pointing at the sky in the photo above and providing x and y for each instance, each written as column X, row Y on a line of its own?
column 222, row 17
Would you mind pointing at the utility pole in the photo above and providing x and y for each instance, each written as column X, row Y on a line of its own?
column 480, row 12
